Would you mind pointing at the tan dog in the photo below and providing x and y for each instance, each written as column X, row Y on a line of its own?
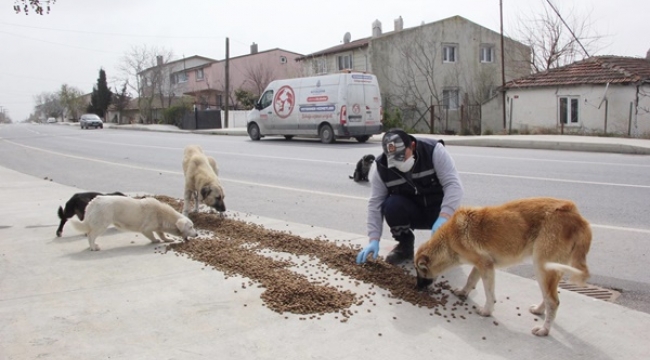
column 146, row 216
column 201, row 181
column 550, row 230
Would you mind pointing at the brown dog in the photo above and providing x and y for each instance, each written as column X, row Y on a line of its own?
column 549, row 230
column 201, row 180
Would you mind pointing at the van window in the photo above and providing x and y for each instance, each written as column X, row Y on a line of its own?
column 266, row 99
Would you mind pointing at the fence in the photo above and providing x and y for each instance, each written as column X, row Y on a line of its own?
column 440, row 119
column 201, row 119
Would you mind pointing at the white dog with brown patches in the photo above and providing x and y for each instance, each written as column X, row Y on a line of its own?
column 146, row 216
column 551, row 231
column 201, row 181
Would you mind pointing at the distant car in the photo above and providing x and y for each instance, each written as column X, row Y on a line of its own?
column 90, row 120
column 51, row 120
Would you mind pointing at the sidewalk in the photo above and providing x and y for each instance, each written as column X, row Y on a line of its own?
column 58, row 300
column 550, row 142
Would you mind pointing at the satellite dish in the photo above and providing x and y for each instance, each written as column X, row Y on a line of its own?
column 347, row 37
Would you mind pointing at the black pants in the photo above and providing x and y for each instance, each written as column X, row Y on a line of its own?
column 402, row 215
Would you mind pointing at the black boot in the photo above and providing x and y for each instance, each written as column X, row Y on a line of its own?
column 400, row 253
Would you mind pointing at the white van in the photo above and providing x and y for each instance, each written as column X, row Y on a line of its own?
column 337, row 106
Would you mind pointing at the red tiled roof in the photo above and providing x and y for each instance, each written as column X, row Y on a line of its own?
column 594, row 70
column 347, row 46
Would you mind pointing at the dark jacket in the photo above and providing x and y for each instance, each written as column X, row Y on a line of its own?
column 421, row 185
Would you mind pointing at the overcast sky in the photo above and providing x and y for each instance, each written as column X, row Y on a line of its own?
column 69, row 45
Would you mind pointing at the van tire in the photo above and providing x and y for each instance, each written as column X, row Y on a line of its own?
column 254, row 131
column 288, row 137
column 326, row 134
column 362, row 138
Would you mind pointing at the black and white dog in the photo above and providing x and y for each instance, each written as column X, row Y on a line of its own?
column 363, row 167
column 77, row 206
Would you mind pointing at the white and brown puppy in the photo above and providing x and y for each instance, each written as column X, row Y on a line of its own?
column 549, row 230
column 201, row 181
column 146, row 216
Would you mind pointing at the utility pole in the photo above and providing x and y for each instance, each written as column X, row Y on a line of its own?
column 503, row 68
column 227, row 81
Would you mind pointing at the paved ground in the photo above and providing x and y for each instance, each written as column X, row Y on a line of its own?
column 58, row 300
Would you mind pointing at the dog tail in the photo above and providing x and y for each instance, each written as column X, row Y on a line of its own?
column 60, row 212
column 81, row 226
column 578, row 277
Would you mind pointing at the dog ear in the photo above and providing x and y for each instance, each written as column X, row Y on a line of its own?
column 205, row 191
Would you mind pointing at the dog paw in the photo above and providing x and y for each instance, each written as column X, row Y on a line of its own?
column 484, row 312
column 537, row 309
column 540, row 331
column 94, row 248
column 460, row 293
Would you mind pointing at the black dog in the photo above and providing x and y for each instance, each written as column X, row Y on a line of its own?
column 77, row 206
column 363, row 167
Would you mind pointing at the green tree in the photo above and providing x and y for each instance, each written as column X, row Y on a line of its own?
column 101, row 96
column 246, row 98
column 121, row 100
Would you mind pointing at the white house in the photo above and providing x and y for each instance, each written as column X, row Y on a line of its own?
column 601, row 94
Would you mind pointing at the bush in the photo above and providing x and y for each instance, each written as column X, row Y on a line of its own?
column 173, row 115
column 393, row 119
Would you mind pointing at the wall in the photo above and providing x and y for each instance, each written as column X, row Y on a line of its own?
column 400, row 62
column 538, row 108
column 266, row 64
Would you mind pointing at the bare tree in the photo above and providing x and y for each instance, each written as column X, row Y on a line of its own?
column 257, row 77
column 412, row 81
column 551, row 42
column 39, row 6
column 143, row 69
column 72, row 101
column 48, row 105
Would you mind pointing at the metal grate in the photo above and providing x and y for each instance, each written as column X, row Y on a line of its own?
column 592, row 291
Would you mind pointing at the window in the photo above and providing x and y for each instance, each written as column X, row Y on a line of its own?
column 449, row 53
column 486, row 53
column 569, row 112
column 320, row 66
column 199, row 74
column 266, row 99
column 345, row 62
column 182, row 76
column 450, row 99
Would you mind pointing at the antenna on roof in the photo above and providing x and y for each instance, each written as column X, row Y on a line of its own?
column 347, row 37
column 604, row 98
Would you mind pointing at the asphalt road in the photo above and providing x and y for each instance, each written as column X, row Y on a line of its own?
column 307, row 182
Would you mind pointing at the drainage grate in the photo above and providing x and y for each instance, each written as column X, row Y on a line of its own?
column 592, row 291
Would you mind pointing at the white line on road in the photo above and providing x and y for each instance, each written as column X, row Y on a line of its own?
column 250, row 183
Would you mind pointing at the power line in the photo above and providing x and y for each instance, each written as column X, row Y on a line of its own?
column 567, row 26
column 54, row 43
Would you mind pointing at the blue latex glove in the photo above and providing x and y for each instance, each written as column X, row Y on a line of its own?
column 372, row 247
column 441, row 220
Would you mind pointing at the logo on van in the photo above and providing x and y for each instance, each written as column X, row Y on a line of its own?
column 284, row 101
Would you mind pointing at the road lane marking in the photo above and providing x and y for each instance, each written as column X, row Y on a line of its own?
column 306, row 191
column 555, row 180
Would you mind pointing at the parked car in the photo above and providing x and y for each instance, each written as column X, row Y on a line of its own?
column 90, row 120
column 51, row 120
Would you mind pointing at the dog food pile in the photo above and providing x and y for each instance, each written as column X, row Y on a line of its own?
column 301, row 276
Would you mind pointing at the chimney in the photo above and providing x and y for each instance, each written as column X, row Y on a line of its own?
column 159, row 60
column 376, row 28
column 399, row 24
column 254, row 48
